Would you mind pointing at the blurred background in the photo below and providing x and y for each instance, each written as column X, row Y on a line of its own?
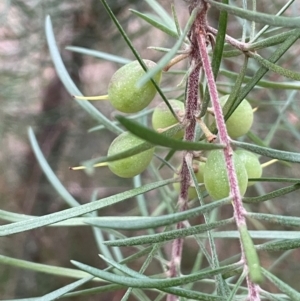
column 31, row 95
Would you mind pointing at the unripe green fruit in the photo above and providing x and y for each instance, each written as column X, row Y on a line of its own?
column 215, row 175
column 133, row 165
column 198, row 170
column 240, row 121
column 163, row 118
column 123, row 92
column 252, row 164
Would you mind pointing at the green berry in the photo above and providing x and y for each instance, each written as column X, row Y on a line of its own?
column 215, row 175
column 133, row 165
column 198, row 170
column 123, row 92
column 252, row 164
column 240, row 121
column 162, row 117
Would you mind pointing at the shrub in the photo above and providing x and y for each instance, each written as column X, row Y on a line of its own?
column 200, row 264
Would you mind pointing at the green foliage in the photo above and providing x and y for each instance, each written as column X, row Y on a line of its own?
column 164, row 139
column 157, row 208
column 251, row 256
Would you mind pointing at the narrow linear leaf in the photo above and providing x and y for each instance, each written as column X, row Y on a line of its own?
column 232, row 53
column 16, row 217
column 189, row 294
column 217, row 57
column 164, row 162
column 279, row 13
column 258, row 234
column 237, row 286
column 168, row 235
column 290, row 221
column 279, row 180
column 258, row 17
column 166, row 59
column 73, row 222
column 269, row 152
column 278, row 53
column 221, row 285
column 139, row 223
column 43, row 268
column 77, row 211
column 153, row 283
column 122, row 222
column 192, row 294
column 156, row 24
column 160, row 49
column 281, row 245
column 175, row 291
column 66, row 289
column 99, row 54
column 263, row 83
column 233, row 273
column 273, row 297
column 220, row 42
column 257, row 140
column 176, row 21
column 235, row 91
column 68, row 82
column 24, row 299
column 161, row 12
column 162, row 139
column 145, row 265
column 95, row 290
column 121, row 155
column 251, row 256
column 59, row 187
column 275, row 68
column 271, row 195
column 167, row 158
column 270, row 41
column 293, row 294
column 129, row 152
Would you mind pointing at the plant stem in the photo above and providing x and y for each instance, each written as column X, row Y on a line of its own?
column 199, row 59
column 192, row 110
column 223, row 135
column 238, row 208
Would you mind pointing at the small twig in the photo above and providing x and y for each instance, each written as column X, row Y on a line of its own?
column 208, row 134
column 230, row 40
column 176, row 60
